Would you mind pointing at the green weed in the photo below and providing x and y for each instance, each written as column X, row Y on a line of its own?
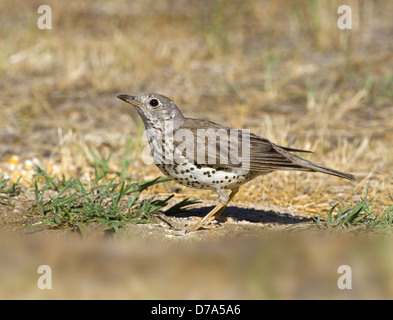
column 360, row 216
column 7, row 191
column 114, row 202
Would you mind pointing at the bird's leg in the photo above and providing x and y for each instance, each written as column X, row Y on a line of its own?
column 216, row 212
column 206, row 218
column 218, row 215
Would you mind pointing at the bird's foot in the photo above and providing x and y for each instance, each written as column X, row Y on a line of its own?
column 210, row 224
column 220, row 217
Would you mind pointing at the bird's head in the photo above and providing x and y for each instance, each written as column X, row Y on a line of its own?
column 154, row 109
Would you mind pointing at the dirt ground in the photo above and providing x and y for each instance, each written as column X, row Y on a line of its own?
column 247, row 219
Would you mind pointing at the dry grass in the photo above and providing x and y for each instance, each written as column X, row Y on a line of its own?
column 282, row 69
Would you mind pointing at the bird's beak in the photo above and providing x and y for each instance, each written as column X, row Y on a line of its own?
column 131, row 100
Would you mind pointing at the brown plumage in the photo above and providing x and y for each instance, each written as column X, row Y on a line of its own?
column 206, row 155
column 264, row 155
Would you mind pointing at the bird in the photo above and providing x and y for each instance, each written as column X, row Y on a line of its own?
column 206, row 155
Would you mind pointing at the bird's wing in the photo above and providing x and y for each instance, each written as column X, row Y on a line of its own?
column 205, row 142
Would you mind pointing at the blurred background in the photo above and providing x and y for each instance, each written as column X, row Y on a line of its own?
column 274, row 267
column 280, row 68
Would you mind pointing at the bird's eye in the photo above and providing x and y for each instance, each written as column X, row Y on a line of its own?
column 153, row 102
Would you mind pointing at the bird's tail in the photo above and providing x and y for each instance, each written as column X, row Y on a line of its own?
column 306, row 165
column 316, row 167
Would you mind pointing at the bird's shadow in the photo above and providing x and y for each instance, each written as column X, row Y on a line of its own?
column 249, row 214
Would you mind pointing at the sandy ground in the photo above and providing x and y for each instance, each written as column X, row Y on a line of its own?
column 244, row 219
